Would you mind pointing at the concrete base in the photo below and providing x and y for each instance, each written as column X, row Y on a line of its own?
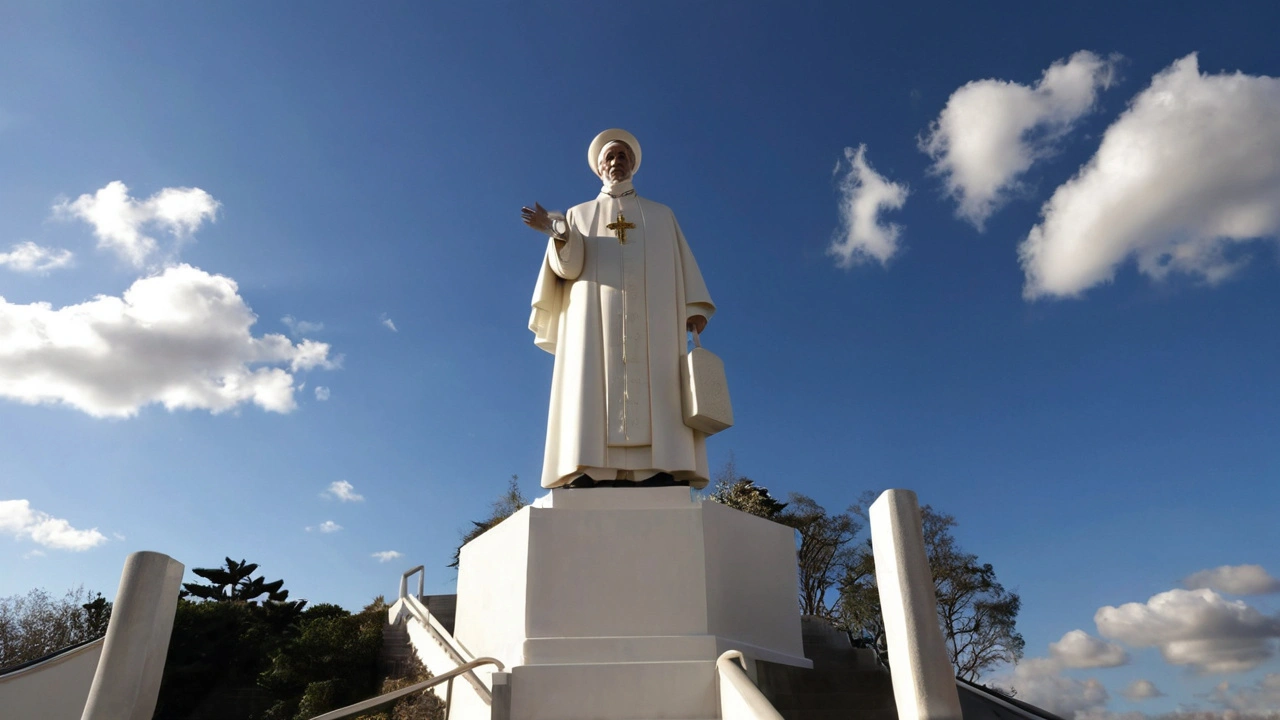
column 615, row 602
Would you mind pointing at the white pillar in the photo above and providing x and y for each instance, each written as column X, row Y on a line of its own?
column 924, row 685
column 127, row 682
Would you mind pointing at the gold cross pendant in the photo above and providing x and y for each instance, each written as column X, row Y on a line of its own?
column 620, row 228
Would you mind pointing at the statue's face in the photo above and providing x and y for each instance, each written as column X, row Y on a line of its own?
column 615, row 162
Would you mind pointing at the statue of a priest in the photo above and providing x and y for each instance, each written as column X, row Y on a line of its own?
column 618, row 290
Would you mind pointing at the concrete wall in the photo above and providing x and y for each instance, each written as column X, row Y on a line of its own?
column 55, row 689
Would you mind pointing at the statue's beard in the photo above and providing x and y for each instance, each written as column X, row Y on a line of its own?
column 610, row 182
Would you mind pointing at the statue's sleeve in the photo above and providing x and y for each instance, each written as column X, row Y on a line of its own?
column 565, row 254
column 697, row 299
column 562, row 262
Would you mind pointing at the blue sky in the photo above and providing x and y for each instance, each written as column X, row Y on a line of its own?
column 1042, row 296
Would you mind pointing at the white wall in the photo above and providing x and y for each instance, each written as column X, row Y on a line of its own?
column 53, row 690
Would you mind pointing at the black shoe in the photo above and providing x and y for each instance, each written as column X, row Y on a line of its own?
column 661, row 480
column 582, row 481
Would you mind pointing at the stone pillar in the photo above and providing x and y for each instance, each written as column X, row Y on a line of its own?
column 924, row 684
column 127, row 682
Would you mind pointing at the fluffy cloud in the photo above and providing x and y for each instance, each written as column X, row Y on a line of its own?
column 18, row 518
column 29, row 257
column 1188, row 171
column 992, row 131
column 1234, row 580
column 1079, row 649
column 1262, row 698
column 387, row 555
column 322, row 393
column 298, row 328
column 119, row 220
column 343, row 491
column 389, row 324
column 181, row 338
column 864, row 194
column 1194, row 627
column 1141, row 690
column 328, row 526
column 1040, row 681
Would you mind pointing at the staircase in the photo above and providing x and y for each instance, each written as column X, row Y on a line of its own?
column 396, row 657
column 845, row 681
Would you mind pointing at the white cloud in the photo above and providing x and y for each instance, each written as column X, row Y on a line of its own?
column 1234, row 580
column 29, row 257
column 18, row 518
column 1141, row 690
column 1194, row 627
column 864, row 194
column 118, row 220
column 1262, row 698
column 322, row 393
column 343, row 491
column 328, row 526
column 993, row 131
column 1040, row 681
column 298, row 328
column 387, row 555
column 1079, row 649
column 181, row 338
column 388, row 324
column 1188, row 171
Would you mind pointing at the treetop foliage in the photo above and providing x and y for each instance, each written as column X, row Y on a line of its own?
column 507, row 504
column 743, row 494
column 837, row 576
column 35, row 625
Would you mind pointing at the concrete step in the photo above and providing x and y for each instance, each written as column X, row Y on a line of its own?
column 396, row 656
column 620, row 691
column 841, row 714
column 861, row 701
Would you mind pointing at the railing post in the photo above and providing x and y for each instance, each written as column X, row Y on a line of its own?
column 127, row 682
column 924, row 684
column 404, row 580
column 500, row 704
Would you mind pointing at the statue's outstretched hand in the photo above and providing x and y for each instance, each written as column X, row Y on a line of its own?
column 537, row 218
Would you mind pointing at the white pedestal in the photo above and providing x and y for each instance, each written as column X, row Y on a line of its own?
column 615, row 602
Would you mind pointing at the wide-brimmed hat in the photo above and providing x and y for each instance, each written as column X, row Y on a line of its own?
column 606, row 137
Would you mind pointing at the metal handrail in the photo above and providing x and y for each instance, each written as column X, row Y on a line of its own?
column 404, row 580
column 394, row 695
column 442, row 638
column 757, row 705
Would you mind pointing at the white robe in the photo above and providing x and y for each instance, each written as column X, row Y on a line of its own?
column 614, row 316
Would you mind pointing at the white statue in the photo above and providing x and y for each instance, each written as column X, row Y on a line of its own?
column 617, row 292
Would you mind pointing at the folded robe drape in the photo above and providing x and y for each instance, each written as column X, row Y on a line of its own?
column 613, row 314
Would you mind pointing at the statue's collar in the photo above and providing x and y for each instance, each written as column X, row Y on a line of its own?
column 617, row 190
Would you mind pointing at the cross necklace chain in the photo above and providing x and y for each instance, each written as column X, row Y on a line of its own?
column 620, row 228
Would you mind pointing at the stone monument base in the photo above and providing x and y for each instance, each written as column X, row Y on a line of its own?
column 616, row 602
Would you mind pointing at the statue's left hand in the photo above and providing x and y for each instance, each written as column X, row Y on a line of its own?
column 696, row 323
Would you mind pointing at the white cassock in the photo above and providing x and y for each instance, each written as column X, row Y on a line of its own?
column 614, row 316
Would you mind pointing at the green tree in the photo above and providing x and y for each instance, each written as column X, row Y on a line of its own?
column 425, row 705
column 223, row 641
column 977, row 615
column 823, row 554
column 329, row 663
column 233, row 583
column 504, row 507
column 35, row 625
column 741, row 493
